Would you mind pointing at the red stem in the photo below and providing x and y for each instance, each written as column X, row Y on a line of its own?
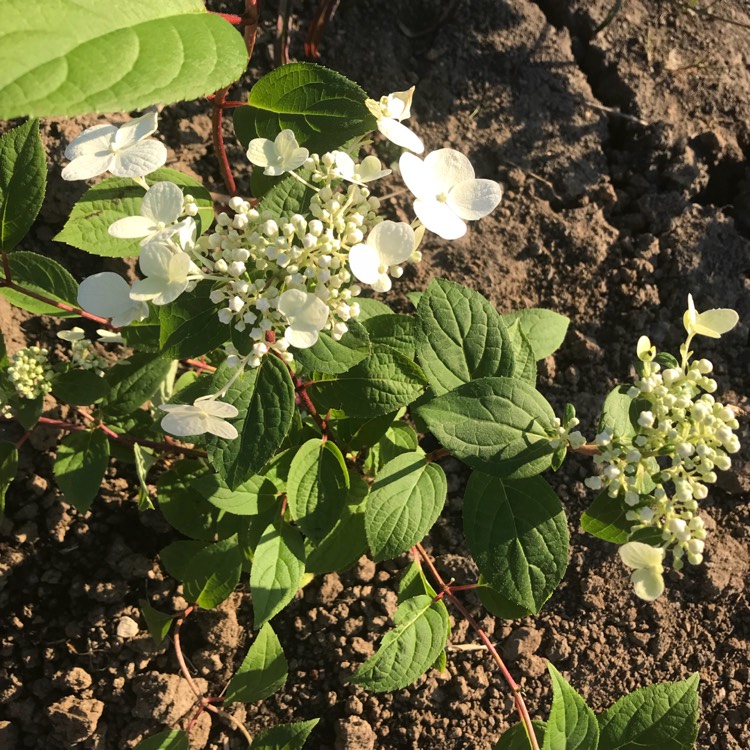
column 199, row 365
column 217, row 117
column 231, row 17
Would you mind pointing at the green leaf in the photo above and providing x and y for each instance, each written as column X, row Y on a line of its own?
column 410, row 649
column 158, row 623
column 382, row 383
column 189, row 326
column 499, row 425
column 79, row 387
column 253, row 496
column 516, row 737
column 169, row 739
column 400, row 332
column 464, row 337
column 42, row 276
column 524, row 366
column 282, row 196
column 134, row 382
column 82, row 459
column 3, row 351
column 657, row 717
column 544, row 329
column 144, row 460
column 263, row 670
column 333, row 357
column 620, row 412
column 605, row 519
column 278, row 567
column 323, row 108
column 28, row 410
column 284, row 736
column 23, row 179
column 518, row 536
column 405, row 501
column 317, row 487
column 264, row 397
column 354, row 434
column 213, row 573
column 115, row 198
column 370, row 308
column 132, row 56
column 399, row 438
column 177, row 556
column 186, row 510
column 498, row 604
column 8, row 469
column 571, row 724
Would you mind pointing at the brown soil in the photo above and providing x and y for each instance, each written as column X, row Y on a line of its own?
column 608, row 218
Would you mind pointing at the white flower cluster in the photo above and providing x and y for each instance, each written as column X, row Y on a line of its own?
column 82, row 352
column 30, row 372
column 574, row 439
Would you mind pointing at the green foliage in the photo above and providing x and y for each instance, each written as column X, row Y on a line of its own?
column 133, row 382
column 188, row 326
column 400, row 332
column 82, row 459
column 212, row 574
column 251, row 497
column 8, row 468
column 605, row 518
column 571, row 722
column 517, row 738
column 158, row 623
column 399, row 438
column 134, row 55
column 284, row 736
column 332, row 357
column 524, row 364
column 169, row 739
column 79, row 387
column 263, row 670
column 544, row 329
column 42, row 276
column 23, row 180
column 620, row 412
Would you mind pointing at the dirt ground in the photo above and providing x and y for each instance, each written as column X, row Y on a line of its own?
column 624, row 158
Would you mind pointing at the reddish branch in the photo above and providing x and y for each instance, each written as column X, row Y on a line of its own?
column 446, row 591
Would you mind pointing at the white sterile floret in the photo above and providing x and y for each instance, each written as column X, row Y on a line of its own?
column 72, row 334
column 446, row 191
column 388, row 244
column 110, row 337
column 647, row 565
column 281, row 155
column 306, row 315
column 107, row 295
column 389, row 113
column 712, row 323
column 204, row 415
column 161, row 207
column 126, row 151
column 370, row 169
column 166, row 275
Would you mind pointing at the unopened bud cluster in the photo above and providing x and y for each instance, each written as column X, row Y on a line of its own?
column 30, row 372
column 82, row 352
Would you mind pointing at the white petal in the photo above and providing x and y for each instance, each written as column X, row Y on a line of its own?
column 438, row 218
column 136, row 311
column 286, row 144
column 315, row 314
column 93, row 140
column 416, row 177
column 364, row 263
column 104, row 294
column 261, row 152
column 473, row 199
column 162, row 202
column 154, row 260
column 393, row 240
column 714, row 323
column 139, row 160
column 648, row 584
column 291, row 302
column 179, row 267
column 220, row 428
column 398, row 104
column 218, row 408
column 136, row 130
column 132, row 227
column 345, row 165
column 183, row 420
column 147, row 289
column 382, row 284
column 640, row 555
column 300, row 339
column 399, row 134
column 87, row 166
column 170, row 292
column 371, row 169
column 446, row 168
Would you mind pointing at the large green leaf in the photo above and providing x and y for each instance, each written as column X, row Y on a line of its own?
column 284, row 736
column 213, row 573
column 264, row 397
column 134, row 382
column 499, row 425
column 251, row 497
column 283, row 196
column 524, row 365
column 189, row 326
column 23, row 179
column 620, row 412
column 397, row 331
column 544, row 329
column 8, row 468
column 399, row 438
column 42, row 276
column 405, row 501
column 518, row 536
column 64, row 58
column 410, row 649
column 464, row 337
column 323, row 108
column 333, row 357
column 571, row 724
column 657, row 717
column 263, row 670
column 79, row 387
column 82, row 459
column 115, row 198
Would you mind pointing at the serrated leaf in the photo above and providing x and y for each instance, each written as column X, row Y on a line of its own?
column 464, row 337
column 132, row 56
column 278, row 567
column 518, row 535
column 284, row 736
column 333, row 357
column 8, row 469
column 405, row 501
column 382, row 383
column 23, row 180
column 264, row 397
column 263, row 670
column 134, row 382
column 317, row 487
column 370, row 308
column 657, row 717
column 399, row 438
column 499, row 425
column 516, row 738
column 169, row 739
column 43, row 276
column 79, row 387
column 250, row 498
column 115, row 198
column 605, row 519
column 323, row 108
column 213, row 573
column 400, row 332
column 407, row 651
column 189, row 326
column 544, row 329
column 571, row 724
column 283, row 196
column 524, row 365
column 498, row 604
column 82, row 459
column 158, row 623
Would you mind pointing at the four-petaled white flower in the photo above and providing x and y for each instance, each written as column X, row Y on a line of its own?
column 306, row 315
column 108, row 295
column 370, row 169
column 446, row 191
column 166, row 274
column 388, row 244
column 126, row 151
column 389, row 113
column 160, row 209
column 712, row 323
column 646, row 563
column 204, row 415
column 281, row 155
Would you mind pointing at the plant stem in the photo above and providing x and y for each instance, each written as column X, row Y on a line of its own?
column 590, row 449
column 217, row 113
column 237, row 724
column 6, row 267
column 447, row 591
column 436, row 454
column 199, row 365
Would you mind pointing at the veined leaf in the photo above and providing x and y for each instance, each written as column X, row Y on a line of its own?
column 213, row 573
column 82, row 459
column 571, row 724
column 333, row 357
column 605, row 518
column 134, row 382
column 544, row 329
column 263, row 670
column 43, row 276
column 284, row 736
